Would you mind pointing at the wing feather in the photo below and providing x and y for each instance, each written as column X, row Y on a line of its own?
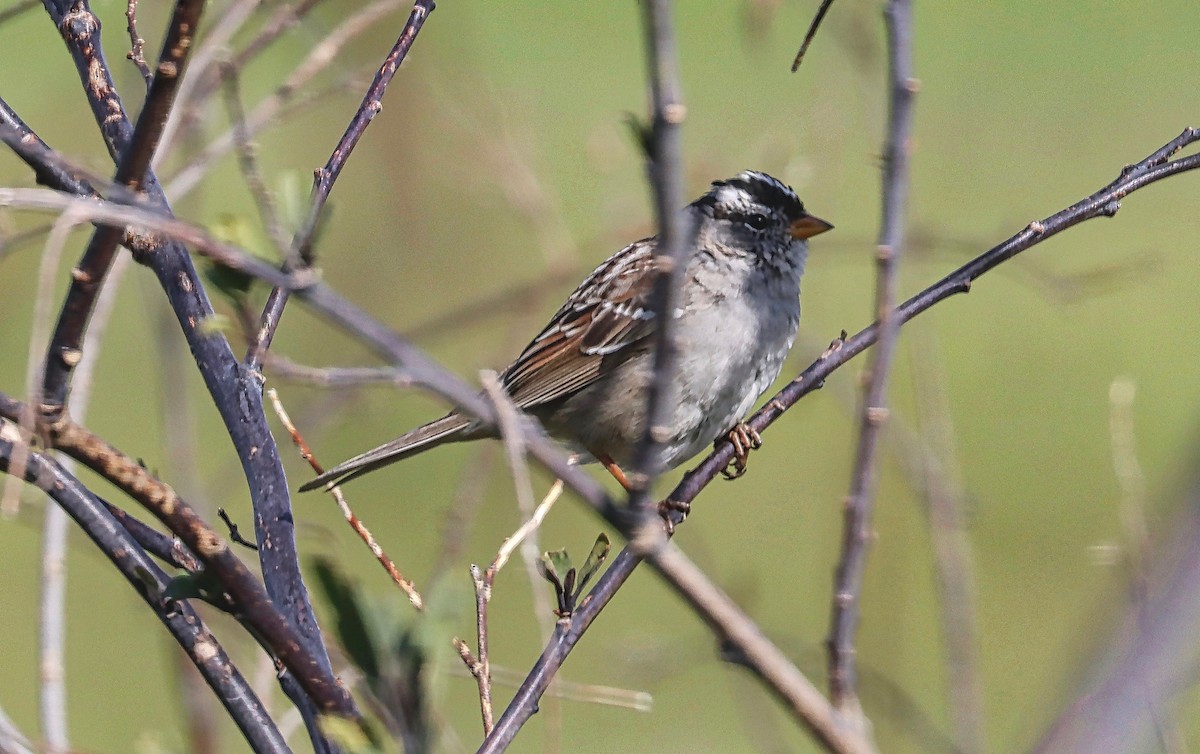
column 608, row 312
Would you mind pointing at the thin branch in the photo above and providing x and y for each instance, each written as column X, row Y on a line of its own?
column 247, row 157
column 319, row 58
column 371, row 105
column 137, row 45
column 480, row 665
column 389, row 565
column 151, row 583
column 1103, row 203
column 812, row 32
column 300, row 254
column 856, row 533
column 665, row 173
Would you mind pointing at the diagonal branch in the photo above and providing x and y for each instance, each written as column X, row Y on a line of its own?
column 150, row 582
column 301, row 252
column 253, row 606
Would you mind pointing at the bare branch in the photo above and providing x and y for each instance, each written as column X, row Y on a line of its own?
column 414, row 596
column 665, row 172
column 856, row 533
column 136, row 43
column 812, row 32
column 151, row 583
column 132, row 150
column 300, row 252
column 253, row 605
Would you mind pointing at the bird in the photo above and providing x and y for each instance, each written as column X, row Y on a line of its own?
column 585, row 376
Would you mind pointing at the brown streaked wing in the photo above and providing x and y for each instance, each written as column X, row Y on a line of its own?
column 606, row 313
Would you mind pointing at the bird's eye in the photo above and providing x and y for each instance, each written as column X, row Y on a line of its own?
column 757, row 221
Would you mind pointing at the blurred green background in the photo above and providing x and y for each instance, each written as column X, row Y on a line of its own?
column 502, row 158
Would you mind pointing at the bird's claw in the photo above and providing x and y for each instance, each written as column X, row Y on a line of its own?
column 667, row 507
column 744, row 439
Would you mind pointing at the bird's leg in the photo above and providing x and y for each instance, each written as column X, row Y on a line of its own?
column 665, row 508
column 745, row 439
column 617, row 472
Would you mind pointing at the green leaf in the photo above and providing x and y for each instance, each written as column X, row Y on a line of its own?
column 352, row 627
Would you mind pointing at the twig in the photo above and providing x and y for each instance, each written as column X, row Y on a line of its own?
column 856, row 533
column 150, row 583
column 371, row 105
column 812, row 32
column 136, row 43
column 511, row 434
column 318, row 59
column 235, row 535
column 414, row 596
column 480, row 664
column 300, row 253
column 248, row 163
column 529, row 526
column 665, row 172
column 1103, row 203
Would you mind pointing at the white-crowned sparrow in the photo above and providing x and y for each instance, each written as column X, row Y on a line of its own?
column 585, row 376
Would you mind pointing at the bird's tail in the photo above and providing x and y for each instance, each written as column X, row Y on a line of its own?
column 447, row 429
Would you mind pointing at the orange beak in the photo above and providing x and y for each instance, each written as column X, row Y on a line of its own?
column 808, row 226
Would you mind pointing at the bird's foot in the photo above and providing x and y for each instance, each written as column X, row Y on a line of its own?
column 745, row 439
column 667, row 508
